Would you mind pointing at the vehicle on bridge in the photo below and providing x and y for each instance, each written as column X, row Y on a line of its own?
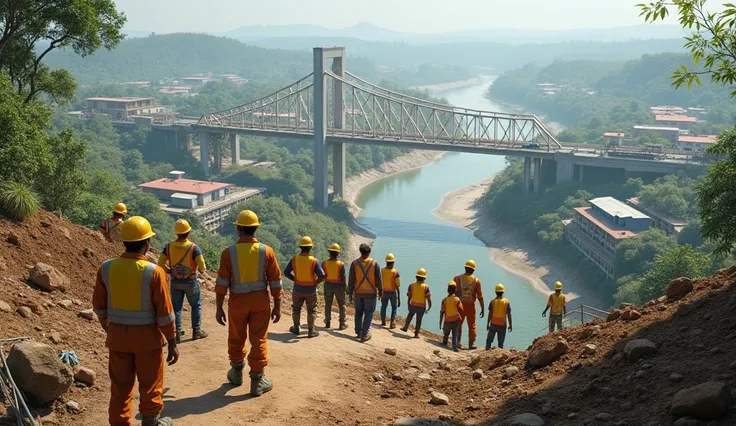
column 648, row 152
column 530, row 145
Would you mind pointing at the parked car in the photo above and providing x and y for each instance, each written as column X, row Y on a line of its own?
column 530, row 145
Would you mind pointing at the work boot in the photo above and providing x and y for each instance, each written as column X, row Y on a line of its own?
column 393, row 325
column 198, row 333
column 312, row 333
column 471, row 345
column 157, row 421
column 366, row 337
column 327, row 324
column 405, row 329
column 179, row 333
column 383, row 322
column 416, row 335
column 294, row 329
column 235, row 375
column 343, row 326
column 259, row 384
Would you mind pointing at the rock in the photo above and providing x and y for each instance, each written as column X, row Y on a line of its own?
column 4, row 307
column 706, row 401
column 547, row 350
column 474, row 360
column 676, row 377
column 437, row 398
column 424, row 376
column 679, row 288
column 589, row 349
column 510, row 372
column 48, row 278
column 378, row 377
column 639, row 348
column 631, row 315
column 85, row 375
column 604, row 417
column 420, row 422
column 13, row 239
column 87, row 314
column 88, row 252
column 73, row 407
column 498, row 358
column 36, row 308
column 397, row 377
column 24, row 311
column 661, row 308
column 478, row 374
column 65, row 303
column 589, row 332
column 55, row 337
column 614, row 315
column 526, row 419
column 436, row 352
column 37, row 371
column 386, row 395
column 445, row 417
column 685, row 309
column 390, row 351
column 547, row 408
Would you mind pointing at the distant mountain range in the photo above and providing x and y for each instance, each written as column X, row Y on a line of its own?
column 369, row 32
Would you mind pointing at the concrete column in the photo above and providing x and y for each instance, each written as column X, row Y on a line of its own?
column 537, row 174
column 338, row 170
column 235, row 149
column 581, row 170
column 565, row 166
column 189, row 142
column 321, row 180
column 218, row 153
column 527, row 174
column 338, row 122
column 204, row 152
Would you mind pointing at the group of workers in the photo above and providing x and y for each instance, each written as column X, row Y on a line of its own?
column 136, row 306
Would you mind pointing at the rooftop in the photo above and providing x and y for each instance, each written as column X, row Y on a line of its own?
column 615, row 208
column 187, row 186
column 613, row 135
column 616, row 232
column 126, row 99
column 699, row 139
column 196, row 78
column 660, row 128
column 676, row 118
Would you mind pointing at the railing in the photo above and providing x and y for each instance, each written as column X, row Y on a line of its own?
column 10, row 390
column 583, row 314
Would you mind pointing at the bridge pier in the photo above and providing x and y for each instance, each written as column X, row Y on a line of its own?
column 565, row 166
column 537, row 174
column 581, row 170
column 338, row 170
column 527, row 174
column 235, row 149
column 217, row 153
column 204, row 154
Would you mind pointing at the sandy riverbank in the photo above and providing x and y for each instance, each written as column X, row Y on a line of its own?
column 455, row 84
column 508, row 250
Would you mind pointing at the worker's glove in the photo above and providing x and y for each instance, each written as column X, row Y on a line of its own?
column 398, row 303
column 482, row 313
column 69, row 358
column 544, row 314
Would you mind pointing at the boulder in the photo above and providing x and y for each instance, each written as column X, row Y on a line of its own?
column 510, row 372
column 679, row 288
column 614, row 315
column 87, row 314
column 85, row 375
column 437, row 398
column 390, row 351
column 547, row 350
column 526, row 419
column 639, row 348
column 706, row 401
column 420, row 422
column 48, row 278
column 37, row 371
column 4, row 307
column 24, row 311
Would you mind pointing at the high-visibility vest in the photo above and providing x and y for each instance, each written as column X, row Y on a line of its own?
column 303, row 267
column 500, row 306
column 418, row 294
column 450, row 307
column 333, row 269
column 365, row 276
column 389, row 279
column 556, row 303
column 181, row 260
column 248, row 262
column 112, row 228
column 466, row 287
column 128, row 284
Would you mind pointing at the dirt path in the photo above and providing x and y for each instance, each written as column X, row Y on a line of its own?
column 325, row 380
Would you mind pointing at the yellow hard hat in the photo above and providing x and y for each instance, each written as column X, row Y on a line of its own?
column 137, row 228
column 558, row 285
column 500, row 288
column 247, row 218
column 334, row 247
column 182, row 226
column 470, row 264
column 390, row 257
column 305, row 242
column 422, row 273
column 120, row 208
column 452, row 284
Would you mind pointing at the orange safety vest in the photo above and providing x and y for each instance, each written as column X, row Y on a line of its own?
column 450, row 306
column 500, row 307
column 365, row 276
column 303, row 267
column 332, row 270
column 466, row 288
column 248, row 262
column 418, row 293
column 389, row 279
column 128, row 284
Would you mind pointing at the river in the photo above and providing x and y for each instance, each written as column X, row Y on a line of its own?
column 398, row 210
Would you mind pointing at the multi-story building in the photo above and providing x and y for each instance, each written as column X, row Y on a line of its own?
column 667, row 224
column 211, row 201
column 679, row 121
column 696, row 143
column 614, row 138
column 595, row 231
column 669, row 133
column 667, row 110
column 124, row 109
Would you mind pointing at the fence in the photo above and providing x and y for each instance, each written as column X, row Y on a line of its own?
column 581, row 315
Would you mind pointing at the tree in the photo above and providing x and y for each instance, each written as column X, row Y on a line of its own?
column 717, row 196
column 61, row 184
column 31, row 29
column 636, row 254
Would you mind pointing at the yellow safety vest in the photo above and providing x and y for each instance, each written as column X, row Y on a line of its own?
column 500, row 306
column 248, row 262
column 556, row 303
column 128, row 284
column 452, row 313
column 181, row 259
column 303, row 267
column 389, row 279
column 418, row 294
column 332, row 270
column 466, row 286
column 113, row 229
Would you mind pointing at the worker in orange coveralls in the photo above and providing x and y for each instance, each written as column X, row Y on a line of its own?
column 469, row 290
column 132, row 302
column 247, row 270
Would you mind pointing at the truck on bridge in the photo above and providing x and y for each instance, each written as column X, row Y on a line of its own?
column 648, row 152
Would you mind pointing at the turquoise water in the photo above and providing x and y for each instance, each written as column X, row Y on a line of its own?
column 398, row 210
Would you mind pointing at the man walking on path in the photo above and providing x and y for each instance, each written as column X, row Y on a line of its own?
column 335, row 285
column 418, row 296
column 469, row 290
column 452, row 312
column 247, row 270
column 391, row 286
column 132, row 303
column 182, row 259
column 110, row 228
column 364, row 285
column 499, row 311
column 306, row 272
column 558, row 307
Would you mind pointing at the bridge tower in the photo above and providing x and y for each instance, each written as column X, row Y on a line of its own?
column 322, row 55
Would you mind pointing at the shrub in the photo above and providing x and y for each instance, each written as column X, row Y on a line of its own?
column 18, row 201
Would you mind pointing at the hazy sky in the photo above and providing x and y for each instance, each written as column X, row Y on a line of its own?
column 427, row 16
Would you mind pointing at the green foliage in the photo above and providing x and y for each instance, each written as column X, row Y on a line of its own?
column 635, row 255
column 61, row 185
column 672, row 196
column 18, row 201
